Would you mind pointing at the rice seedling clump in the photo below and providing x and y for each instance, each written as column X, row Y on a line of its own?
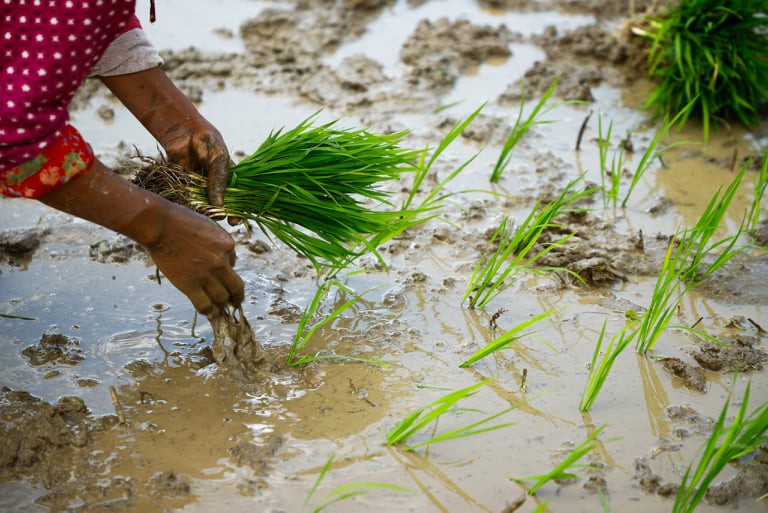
column 316, row 188
column 711, row 52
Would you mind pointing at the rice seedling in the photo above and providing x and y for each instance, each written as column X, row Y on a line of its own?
column 315, row 188
column 758, row 191
column 610, row 192
column 346, row 491
column 653, row 151
column 726, row 444
column 680, row 270
column 424, row 166
column 697, row 242
column 520, row 128
column 712, row 54
column 20, row 317
column 423, row 416
column 565, row 469
column 666, row 296
column 604, row 503
column 679, row 273
column 304, row 332
column 598, row 371
column 491, row 277
column 509, row 337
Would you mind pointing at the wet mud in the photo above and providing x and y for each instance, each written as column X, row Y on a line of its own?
column 187, row 423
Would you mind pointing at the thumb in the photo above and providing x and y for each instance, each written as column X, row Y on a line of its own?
column 217, row 171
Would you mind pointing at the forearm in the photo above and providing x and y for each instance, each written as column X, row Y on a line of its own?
column 154, row 100
column 109, row 200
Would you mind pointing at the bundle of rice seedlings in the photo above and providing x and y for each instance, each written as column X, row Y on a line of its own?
column 713, row 53
column 315, row 188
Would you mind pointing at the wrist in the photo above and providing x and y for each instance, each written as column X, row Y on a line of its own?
column 154, row 100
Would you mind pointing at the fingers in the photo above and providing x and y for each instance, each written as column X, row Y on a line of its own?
column 217, row 170
column 235, row 288
column 216, row 296
column 181, row 156
column 207, row 151
column 198, row 257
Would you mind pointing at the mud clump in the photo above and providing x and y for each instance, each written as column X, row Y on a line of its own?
column 741, row 281
column 760, row 235
column 19, row 245
column 168, row 484
column 750, row 482
column 437, row 53
column 257, row 456
column 686, row 421
column 737, row 354
column 120, row 250
column 692, row 377
column 56, row 348
column 36, row 437
column 599, row 256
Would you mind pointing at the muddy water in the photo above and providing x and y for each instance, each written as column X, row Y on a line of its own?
column 179, row 434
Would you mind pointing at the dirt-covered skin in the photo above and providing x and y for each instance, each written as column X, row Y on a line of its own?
column 284, row 49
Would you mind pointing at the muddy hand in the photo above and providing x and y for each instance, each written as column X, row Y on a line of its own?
column 198, row 257
column 195, row 144
column 187, row 137
column 193, row 252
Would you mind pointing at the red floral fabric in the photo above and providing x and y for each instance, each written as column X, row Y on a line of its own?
column 68, row 157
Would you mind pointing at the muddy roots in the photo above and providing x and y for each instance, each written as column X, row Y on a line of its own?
column 166, row 179
column 236, row 349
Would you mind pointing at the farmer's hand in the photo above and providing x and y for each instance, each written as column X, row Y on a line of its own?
column 195, row 253
column 187, row 137
column 197, row 256
column 195, row 144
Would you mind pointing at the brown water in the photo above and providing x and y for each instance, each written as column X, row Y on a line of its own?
column 195, row 439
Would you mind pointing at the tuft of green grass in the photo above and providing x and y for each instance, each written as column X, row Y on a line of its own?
column 725, row 444
column 508, row 337
column 682, row 270
column 713, row 54
column 520, row 128
column 666, row 296
column 610, row 192
column 565, row 469
column 425, row 415
column 698, row 244
column 690, row 258
column 424, row 166
column 346, row 491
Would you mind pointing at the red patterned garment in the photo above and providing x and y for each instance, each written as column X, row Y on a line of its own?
column 47, row 49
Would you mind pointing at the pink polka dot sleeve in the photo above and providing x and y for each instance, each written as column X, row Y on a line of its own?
column 48, row 48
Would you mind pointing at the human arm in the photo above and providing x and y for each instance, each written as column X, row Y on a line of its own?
column 187, row 137
column 193, row 252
